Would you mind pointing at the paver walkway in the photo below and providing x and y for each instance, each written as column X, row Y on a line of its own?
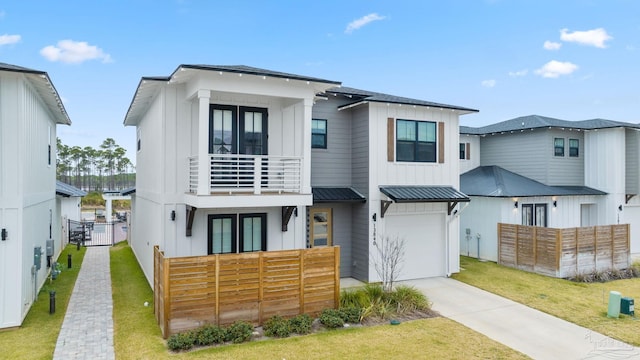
column 532, row 332
column 87, row 330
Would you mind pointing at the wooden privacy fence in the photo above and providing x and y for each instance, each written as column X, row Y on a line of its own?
column 564, row 253
column 220, row 289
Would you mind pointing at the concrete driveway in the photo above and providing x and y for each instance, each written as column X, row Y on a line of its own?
column 532, row 332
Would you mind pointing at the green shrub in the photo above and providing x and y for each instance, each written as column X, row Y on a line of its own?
column 354, row 298
column 331, row 318
column 239, row 332
column 407, row 299
column 277, row 326
column 210, row 334
column 301, row 324
column 350, row 314
column 374, row 292
column 181, row 341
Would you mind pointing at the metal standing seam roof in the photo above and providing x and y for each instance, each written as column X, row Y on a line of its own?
column 44, row 87
column 370, row 96
column 531, row 122
column 423, row 193
column 66, row 190
column 494, row 181
column 336, row 194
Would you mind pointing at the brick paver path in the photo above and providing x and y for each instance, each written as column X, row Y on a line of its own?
column 87, row 330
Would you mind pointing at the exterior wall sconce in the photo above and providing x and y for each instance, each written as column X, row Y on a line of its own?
column 515, row 204
column 374, row 217
column 555, row 203
column 620, row 208
column 5, row 234
column 173, row 215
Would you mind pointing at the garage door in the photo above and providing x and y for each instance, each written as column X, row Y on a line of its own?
column 424, row 236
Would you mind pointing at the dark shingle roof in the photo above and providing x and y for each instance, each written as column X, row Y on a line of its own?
column 128, row 191
column 66, row 190
column 370, row 96
column 243, row 69
column 494, row 181
column 336, row 194
column 423, row 193
column 537, row 122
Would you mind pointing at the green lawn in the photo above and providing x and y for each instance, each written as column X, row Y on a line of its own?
column 580, row 303
column 137, row 336
column 36, row 338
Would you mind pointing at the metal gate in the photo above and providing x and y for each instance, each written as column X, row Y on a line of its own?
column 91, row 233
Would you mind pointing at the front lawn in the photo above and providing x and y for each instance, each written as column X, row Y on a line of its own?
column 584, row 304
column 137, row 336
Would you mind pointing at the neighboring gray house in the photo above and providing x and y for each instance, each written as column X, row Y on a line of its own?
column 559, row 174
column 68, row 201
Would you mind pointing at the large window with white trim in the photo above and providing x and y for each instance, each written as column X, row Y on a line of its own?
column 415, row 141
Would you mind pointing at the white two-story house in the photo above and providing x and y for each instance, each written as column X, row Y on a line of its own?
column 30, row 109
column 542, row 171
column 235, row 159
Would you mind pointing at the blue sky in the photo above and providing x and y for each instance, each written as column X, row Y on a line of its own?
column 572, row 60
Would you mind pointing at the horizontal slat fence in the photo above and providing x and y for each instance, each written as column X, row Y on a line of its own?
column 564, row 252
column 220, row 289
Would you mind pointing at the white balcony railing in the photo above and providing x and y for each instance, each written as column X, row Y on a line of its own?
column 229, row 173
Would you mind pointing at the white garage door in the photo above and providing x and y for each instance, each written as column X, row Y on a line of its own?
column 424, row 236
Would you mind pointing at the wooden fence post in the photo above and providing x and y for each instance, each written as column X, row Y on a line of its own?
column 301, row 281
column 217, row 295
column 336, row 266
column 559, row 244
column 165, row 294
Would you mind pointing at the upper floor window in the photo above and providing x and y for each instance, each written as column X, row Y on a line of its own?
column 415, row 141
column 463, row 150
column 558, row 147
column 574, row 145
column 319, row 133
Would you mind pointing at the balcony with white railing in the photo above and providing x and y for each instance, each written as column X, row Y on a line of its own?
column 254, row 174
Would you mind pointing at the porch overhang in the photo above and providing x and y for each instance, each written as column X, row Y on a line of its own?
column 337, row 195
column 421, row 194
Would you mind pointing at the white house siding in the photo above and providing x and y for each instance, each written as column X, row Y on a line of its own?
column 360, row 174
column 332, row 166
column 484, row 213
column 27, row 194
column 474, row 152
column 631, row 215
column 605, row 170
column 384, row 172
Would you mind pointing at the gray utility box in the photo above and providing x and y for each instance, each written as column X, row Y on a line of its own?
column 50, row 247
column 37, row 257
column 626, row 306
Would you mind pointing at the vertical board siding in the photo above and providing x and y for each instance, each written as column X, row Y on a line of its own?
column 564, row 252
column 190, row 292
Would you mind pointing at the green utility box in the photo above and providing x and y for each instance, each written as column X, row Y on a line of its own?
column 626, row 306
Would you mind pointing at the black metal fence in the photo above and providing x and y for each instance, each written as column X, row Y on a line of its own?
column 91, row 233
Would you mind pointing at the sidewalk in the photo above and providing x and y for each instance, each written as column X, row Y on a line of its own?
column 532, row 332
column 87, row 330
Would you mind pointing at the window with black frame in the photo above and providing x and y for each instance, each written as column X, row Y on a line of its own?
column 415, row 141
column 319, row 133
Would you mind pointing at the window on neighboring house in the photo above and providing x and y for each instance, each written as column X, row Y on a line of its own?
column 319, row 133
column 534, row 214
column 415, row 141
column 558, row 147
column 574, row 145
column 138, row 142
column 320, row 227
column 463, row 148
column 223, row 233
column 49, row 148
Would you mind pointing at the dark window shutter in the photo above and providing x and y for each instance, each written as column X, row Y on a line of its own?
column 440, row 143
column 391, row 141
column 468, row 151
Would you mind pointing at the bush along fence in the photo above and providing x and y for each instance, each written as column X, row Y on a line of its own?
column 564, row 253
column 221, row 289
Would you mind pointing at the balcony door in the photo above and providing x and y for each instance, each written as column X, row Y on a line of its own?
column 237, row 130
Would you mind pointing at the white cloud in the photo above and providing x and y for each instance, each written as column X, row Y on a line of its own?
column 518, row 73
column 550, row 45
column 7, row 39
column 358, row 23
column 74, row 52
column 595, row 37
column 488, row 83
column 554, row 69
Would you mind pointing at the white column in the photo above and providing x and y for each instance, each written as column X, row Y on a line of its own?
column 203, row 142
column 306, row 147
